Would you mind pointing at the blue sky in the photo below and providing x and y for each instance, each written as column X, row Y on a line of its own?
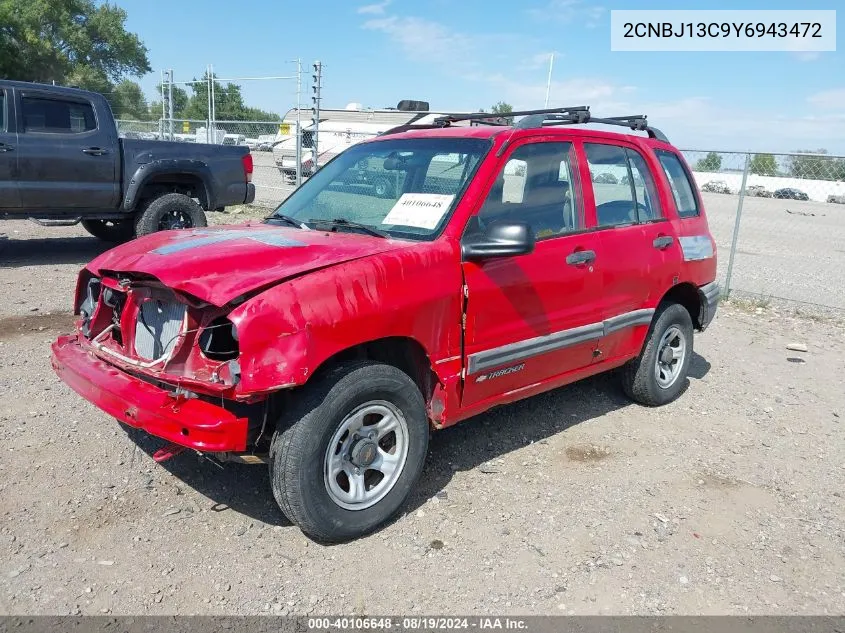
column 470, row 54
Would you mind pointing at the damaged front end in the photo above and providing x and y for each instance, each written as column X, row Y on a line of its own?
column 165, row 362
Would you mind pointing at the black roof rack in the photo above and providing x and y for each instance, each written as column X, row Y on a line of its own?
column 447, row 119
column 573, row 115
column 636, row 122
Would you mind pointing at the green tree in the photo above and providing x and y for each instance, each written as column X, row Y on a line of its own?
column 813, row 164
column 711, row 162
column 128, row 102
column 502, row 108
column 78, row 42
column 763, row 165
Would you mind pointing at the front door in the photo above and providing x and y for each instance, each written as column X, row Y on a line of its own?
column 532, row 318
column 9, row 197
column 67, row 158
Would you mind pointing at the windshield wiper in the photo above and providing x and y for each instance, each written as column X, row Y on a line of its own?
column 287, row 220
column 352, row 225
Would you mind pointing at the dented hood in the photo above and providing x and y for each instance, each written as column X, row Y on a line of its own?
column 220, row 264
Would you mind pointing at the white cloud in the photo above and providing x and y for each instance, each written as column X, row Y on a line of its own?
column 806, row 56
column 423, row 38
column 829, row 99
column 374, row 9
column 567, row 11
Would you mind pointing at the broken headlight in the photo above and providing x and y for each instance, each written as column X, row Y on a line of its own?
column 89, row 304
column 219, row 340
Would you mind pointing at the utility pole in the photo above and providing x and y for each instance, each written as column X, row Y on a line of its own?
column 208, row 94
column 163, row 109
column 315, row 112
column 170, row 101
column 213, row 106
column 549, row 80
column 298, row 121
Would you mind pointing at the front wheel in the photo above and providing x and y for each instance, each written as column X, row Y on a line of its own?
column 350, row 452
column 659, row 374
column 110, row 230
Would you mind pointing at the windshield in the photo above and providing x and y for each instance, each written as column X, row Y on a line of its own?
column 403, row 188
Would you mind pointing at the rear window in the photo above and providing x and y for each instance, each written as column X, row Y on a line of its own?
column 56, row 116
column 682, row 189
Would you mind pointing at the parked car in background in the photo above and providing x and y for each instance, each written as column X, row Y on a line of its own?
column 63, row 163
column 790, row 193
column 606, row 178
column 332, row 338
column 836, row 199
column 716, row 186
column 758, row 191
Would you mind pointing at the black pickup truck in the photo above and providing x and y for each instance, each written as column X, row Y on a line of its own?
column 62, row 162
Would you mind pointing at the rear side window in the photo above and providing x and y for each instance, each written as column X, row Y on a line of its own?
column 682, row 189
column 622, row 185
column 55, row 116
column 2, row 111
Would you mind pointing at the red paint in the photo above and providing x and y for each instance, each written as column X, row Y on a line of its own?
column 298, row 306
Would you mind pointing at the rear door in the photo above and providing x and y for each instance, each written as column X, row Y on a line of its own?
column 698, row 250
column 639, row 253
column 67, row 158
column 532, row 318
column 9, row 196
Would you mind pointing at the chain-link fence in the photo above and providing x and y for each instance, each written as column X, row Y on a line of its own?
column 779, row 224
column 272, row 143
column 778, row 219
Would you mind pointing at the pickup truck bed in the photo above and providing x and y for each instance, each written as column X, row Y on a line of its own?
column 63, row 162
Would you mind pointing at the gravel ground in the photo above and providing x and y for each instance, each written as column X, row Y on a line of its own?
column 728, row 501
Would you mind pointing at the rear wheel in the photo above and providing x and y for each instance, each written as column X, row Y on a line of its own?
column 350, row 452
column 382, row 188
column 659, row 374
column 170, row 211
column 110, row 230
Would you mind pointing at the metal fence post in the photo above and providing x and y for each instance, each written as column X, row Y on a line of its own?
column 298, row 121
column 170, row 103
column 736, row 225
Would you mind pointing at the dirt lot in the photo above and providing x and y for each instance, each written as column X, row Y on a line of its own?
column 728, row 501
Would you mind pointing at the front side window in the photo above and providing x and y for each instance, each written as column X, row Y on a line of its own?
column 622, row 185
column 55, row 116
column 679, row 182
column 405, row 188
column 535, row 186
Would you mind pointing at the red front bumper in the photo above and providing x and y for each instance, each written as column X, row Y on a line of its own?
column 191, row 422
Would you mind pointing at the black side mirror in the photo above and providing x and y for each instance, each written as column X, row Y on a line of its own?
column 499, row 239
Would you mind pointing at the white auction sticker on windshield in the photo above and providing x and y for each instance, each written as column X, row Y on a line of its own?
column 420, row 210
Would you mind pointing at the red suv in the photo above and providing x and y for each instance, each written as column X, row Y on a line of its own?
column 331, row 338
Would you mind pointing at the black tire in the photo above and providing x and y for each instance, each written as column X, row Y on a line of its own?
column 170, row 211
column 640, row 376
column 382, row 188
column 116, row 231
column 299, row 451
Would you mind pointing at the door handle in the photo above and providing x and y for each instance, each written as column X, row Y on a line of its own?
column 579, row 258
column 6, row 148
column 663, row 242
column 95, row 151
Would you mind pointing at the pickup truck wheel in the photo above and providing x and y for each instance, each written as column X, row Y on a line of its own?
column 110, row 230
column 382, row 188
column 349, row 452
column 170, row 211
column 659, row 374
